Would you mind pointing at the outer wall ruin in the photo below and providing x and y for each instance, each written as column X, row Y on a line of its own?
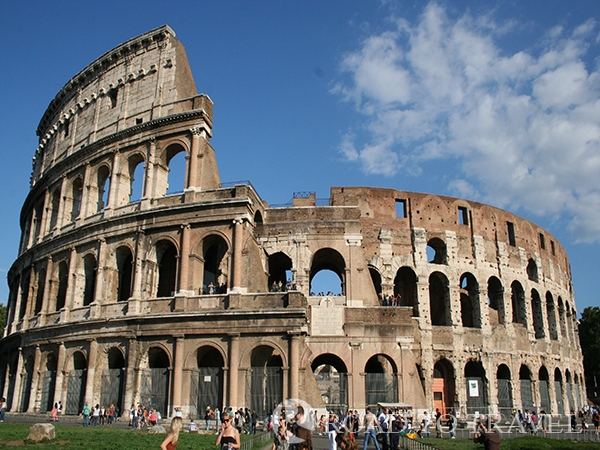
column 125, row 292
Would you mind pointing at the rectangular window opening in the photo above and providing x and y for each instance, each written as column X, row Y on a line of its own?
column 553, row 249
column 463, row 215
column 510, row 231
column 542, row 241
column 139, row 121
column 113, row 97
column 401, row 209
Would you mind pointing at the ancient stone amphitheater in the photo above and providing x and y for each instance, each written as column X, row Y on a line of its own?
column 124, row 292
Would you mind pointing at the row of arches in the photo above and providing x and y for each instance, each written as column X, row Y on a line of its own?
column 535, row 391
column 67, row 200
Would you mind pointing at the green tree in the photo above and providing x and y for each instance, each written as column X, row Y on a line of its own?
column 589, row 335
column 2, row 318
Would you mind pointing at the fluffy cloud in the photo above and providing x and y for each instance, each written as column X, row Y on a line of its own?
column 524, row 128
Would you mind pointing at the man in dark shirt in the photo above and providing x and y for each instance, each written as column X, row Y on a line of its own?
column 490, row 439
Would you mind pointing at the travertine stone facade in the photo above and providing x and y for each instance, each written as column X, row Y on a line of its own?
column 167, row 298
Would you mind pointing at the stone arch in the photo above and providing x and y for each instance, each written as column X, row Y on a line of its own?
column 207, row 380
column 258, row 218
column 26, row 383
column 538, row 319
column 469, row 301
column 154, row 388
column 329, row 259
column 215, row 252
column 25, row 285
column 444, row 387
column 76, row 197
column 381, row 380
column 89, row 274
column 55, row 206
column 562, row 318
column 77, row 377
column 124, row 258
column 41, row 287
column 375, row 278
column 437, row 252
column 280, row 270
column 265, row 378
column 63, row 280
column 559, row 390
column 113, row 379
column 495, row 298
column 517, row 296
column 532, row 270
column 48, row 382
column 551, row 314
column 476, row 387
column 103, row 180
column 526, row 390
column 405, row 286
column 505, row 398
column 331, row 374
column 162, row 176
column 544, row 382
column 135, row 177
column 439, row 299
column 166, row 259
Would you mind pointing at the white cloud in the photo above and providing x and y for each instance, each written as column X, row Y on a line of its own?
column 523, row 127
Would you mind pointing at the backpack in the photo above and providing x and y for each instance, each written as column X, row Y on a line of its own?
column 383, row 422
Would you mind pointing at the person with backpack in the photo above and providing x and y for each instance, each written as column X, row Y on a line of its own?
column 384, row 424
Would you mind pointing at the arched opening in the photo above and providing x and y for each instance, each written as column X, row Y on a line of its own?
column 532, row 271
column 328, row 259
column 207, row 381
column 381, row 380
column 176, row 162
column 439, row 299
column 332, row 379
column 26, row 385
column 495, row 298
column 113, row 380
column 214, row 250
column 517, row 297
column 505, row 399
column 526, row 392
column 258, row 218
column 266, row 379
column 89, row 270
column 562, row 318
column 571, row 406
column 136, row 178
column 476, row 387
column 469, row 301
column 41, row 287
column 25, row 282
column 76, row 385
column 538, row 321
column 55, row 207
column 437, row 252
column 63, row 279
column 376, row 279
column 443, row 388
column 558, row 389
column 405, row 289
column 544, row 381
column 166, row 255
column 154, row 387
column 280, row 271
column 551, row 313
column 103, row 188
column 77, row 192
column 48, row 384
column 124, row 273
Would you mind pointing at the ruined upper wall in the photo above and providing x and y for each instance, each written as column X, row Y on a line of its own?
column 479, row 228
column 141, row 80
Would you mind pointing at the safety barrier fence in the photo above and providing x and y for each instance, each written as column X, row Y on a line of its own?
column 411, row 444
column 257, row 439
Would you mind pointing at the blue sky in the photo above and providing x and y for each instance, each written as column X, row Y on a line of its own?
column 497, row 102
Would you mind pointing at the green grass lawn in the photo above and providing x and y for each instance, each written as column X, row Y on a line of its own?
column 98, row 438
column 520, row 443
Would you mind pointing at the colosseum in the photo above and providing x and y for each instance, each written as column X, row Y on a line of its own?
column 126, row 292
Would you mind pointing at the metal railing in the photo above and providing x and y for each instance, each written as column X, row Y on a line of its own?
column 412, row 444
column 258, row 439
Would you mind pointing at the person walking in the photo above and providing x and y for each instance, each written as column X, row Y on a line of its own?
column 2, row 409
column 370, row 429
